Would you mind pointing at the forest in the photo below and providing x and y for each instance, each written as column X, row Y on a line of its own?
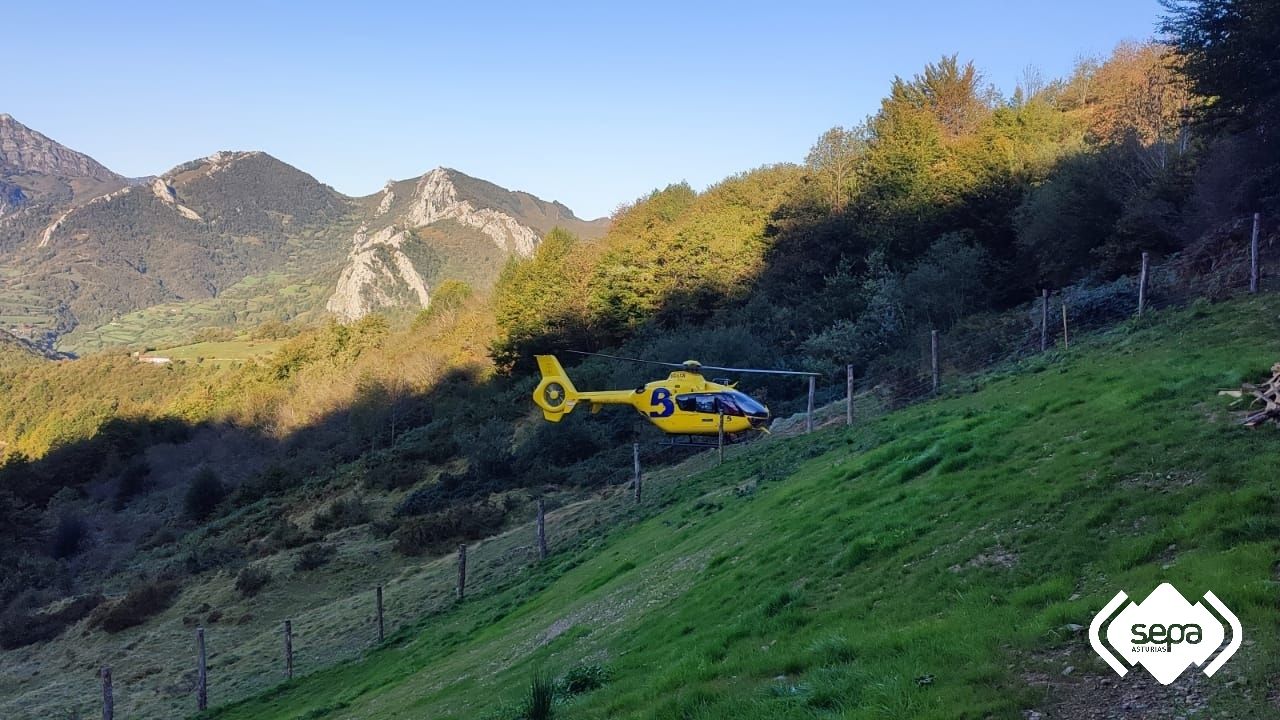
column 950, row 208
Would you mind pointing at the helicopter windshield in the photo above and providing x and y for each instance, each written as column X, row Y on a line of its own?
column 729, row 402
column 743, row 403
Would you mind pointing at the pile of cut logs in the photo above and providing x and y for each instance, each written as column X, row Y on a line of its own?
column 1268, row 395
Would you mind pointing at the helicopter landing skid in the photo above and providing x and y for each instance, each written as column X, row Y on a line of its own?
column 698, row 441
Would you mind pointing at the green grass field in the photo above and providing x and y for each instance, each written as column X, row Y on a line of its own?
column 221, row 352
column 927, row 564
column 20, row 307
column 250, row 302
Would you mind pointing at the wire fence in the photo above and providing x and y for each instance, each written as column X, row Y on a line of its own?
column 1240, row 259
column 157, row 673
column 154, row 673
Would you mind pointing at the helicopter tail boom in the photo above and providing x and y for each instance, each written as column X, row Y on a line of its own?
column 555, row 394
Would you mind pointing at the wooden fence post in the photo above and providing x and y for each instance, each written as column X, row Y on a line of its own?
column 1066, row 340
column 542, row 529
column 202, row 673
column 933, row 341
column 635, row 457
column 108, row 697
column 288, row 649
column 1142, row 285
column 382, row 628
column 1044, row 319
column 808, row 420
column 848, row 390
column 720, row 443
column 462, row 571
column 1253, row 253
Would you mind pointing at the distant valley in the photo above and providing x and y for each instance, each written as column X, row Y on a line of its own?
column 90, row 259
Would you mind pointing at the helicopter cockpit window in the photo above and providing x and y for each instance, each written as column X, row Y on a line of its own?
column 727, row 406
column 745, row 403
column 729, row 403
column 702, row 404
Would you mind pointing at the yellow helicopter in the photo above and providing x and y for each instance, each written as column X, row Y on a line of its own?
column 683, row 404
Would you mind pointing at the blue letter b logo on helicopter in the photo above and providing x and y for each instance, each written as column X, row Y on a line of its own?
column 661, row 398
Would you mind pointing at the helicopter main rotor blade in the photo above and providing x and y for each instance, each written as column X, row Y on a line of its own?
column 700, row 367
column 628, row 359
column 758, row 371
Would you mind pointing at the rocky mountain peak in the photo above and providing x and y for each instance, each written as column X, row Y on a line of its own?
column 23, row 150
column 380, row 272
column 437, row 198
column 422, row 230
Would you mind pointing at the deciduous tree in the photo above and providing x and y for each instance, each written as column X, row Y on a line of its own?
column 833, row 160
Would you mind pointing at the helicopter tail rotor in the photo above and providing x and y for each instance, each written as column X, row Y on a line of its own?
column 555, row 394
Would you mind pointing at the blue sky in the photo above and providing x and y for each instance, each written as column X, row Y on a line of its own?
column 592, row 104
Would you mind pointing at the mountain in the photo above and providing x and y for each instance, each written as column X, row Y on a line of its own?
column 443, row 224
column 91, row 259
column 34, row 168
column 187, row 235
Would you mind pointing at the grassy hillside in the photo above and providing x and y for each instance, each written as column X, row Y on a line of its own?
column 251, row 302
column 927, row 564
column 223, row 351
column 138, row 500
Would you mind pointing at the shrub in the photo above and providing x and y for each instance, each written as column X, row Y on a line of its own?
column 1093, row 305
column 979, row 339
column 19, row 627
column 436, row 530
column 583, row 678
column 392, row 475
column 315, row 556
column 433, row 443
column 67, row 536
column 24, row 575
column 132, row 482
column 441, row 449
column 251, row 580
column 275, row 480
column 207, row 555
column 141, row 603
column 204, row 494
column 489, row 451
column 344, row 513
column 450, row 489
column 430, row 498
column 286, row 535
column 558, row 446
